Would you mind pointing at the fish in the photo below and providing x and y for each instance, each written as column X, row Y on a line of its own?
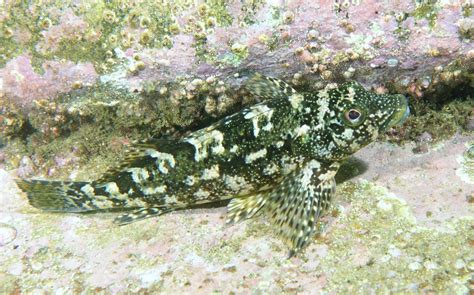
column 277, row 158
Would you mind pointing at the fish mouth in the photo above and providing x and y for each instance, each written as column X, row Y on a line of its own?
column 402, row 112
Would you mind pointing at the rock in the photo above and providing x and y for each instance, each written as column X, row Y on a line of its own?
column 470, row 124
column 425, row 137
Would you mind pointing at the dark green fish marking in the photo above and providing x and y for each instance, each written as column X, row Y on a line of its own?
column 278, row 158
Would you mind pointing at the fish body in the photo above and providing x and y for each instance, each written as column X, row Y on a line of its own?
column 278, row 158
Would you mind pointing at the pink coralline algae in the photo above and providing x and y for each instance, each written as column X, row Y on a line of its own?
column 70, row 27
column 159, row 63
column 22, row 85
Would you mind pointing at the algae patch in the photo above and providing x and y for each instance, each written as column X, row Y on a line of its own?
column 441, row 120
column 379, row 247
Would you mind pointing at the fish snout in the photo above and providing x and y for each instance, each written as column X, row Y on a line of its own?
column 401, row 112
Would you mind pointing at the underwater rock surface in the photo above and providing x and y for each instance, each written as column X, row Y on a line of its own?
column 79, row 81
column 414, row 44
column 403, row 224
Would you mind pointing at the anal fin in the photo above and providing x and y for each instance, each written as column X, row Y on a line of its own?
column 141, row 214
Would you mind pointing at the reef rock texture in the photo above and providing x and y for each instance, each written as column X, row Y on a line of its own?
column 23, row 83
column 80, row 80
column 413, row 44
column 402, row 225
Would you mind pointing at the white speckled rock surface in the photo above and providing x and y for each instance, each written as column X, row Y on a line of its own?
column 404, row 225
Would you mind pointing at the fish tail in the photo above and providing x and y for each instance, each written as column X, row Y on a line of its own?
column 64, row 196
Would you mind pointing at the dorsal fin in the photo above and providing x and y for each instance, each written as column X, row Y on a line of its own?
column 268, row 87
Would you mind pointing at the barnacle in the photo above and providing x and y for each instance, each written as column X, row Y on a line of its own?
column 145, row 37
column 45, row 23
column 109, row 16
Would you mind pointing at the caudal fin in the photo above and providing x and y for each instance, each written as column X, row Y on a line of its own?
column 60, row 196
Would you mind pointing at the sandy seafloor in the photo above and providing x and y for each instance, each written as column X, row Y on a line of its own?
column 403, row 224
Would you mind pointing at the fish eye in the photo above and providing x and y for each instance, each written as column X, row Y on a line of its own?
column 353, row 115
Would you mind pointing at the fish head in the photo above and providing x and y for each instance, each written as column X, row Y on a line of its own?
column 356, row 117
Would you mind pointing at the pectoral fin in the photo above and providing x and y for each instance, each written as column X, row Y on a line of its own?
column 296, row 205
column 244, row 208
column 293, row 206
column 296, row 217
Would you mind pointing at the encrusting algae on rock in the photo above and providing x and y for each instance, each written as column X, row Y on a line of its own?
column 278, row 158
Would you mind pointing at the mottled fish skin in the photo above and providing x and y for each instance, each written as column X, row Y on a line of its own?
column 278, row 157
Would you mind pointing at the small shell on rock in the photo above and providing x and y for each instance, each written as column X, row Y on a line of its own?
column 326, row 75
column 349, row 73
column 288, row 17
column 312, row 34
column 7, row 234
column 77, row 84
column 299, row 51
column 140, row 65
column 211, row 79
column 470, row 54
